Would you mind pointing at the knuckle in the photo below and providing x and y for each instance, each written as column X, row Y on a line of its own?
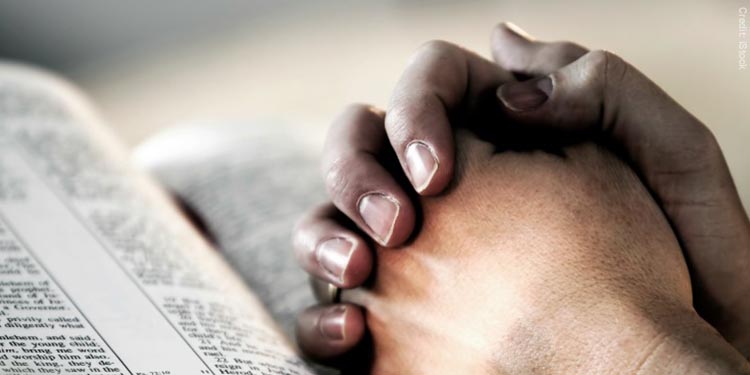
column 572, row 47
column 355, row 114
column 708, row 139
column 698, row 145
column 568, row 51
column 605, row 64
column 302, row 227
column 337, row 178
column 596, row 63
column 597, row 58
column 301, row 245
column 398, row 125
column 434, row 47
column 303, row 223
column 604, row 69
column 601, row 74
column 407, row 117
column 704, row 146
column 361, row 111
column 358, row 115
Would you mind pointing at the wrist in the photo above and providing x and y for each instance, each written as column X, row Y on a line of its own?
column 672, row 341
column 615, row 338
column 689, row 345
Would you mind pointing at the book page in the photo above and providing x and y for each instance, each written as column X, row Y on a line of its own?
column 99, row 272
column 248, row 183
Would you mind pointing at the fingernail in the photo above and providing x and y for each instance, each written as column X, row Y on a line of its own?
column 333, row 255
column 379, row 212
column 525, row 95
column 331, row 323
column 516, row 30
column 422, row 164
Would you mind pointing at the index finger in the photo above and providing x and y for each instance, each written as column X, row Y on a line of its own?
column 442, row 82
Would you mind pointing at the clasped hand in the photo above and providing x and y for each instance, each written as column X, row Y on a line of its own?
column 552, row 211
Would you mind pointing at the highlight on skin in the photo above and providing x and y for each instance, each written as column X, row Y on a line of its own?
column 568, row 249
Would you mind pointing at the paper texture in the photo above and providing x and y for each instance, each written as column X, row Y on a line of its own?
column 99, row 273
column 248, row 183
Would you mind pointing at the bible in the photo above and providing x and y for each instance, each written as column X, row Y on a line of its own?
column 102, row 272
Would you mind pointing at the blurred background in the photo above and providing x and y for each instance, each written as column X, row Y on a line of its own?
column 151, row 64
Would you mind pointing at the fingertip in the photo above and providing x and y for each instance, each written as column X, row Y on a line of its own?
column 444, row 175
column 325, row 248
column 342, row 259
column 429, row 169
column 421, row 164
column 327, row 332
column 354, row 324
column 390, row 220
column 358, row 182
column 358, row 267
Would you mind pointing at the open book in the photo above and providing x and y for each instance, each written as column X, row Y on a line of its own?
column 100, row 270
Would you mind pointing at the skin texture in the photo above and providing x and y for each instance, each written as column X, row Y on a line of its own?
column 525, row 265
column 585, row 94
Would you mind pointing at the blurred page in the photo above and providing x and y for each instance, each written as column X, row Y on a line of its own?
column 99, row 273
column 248, row 183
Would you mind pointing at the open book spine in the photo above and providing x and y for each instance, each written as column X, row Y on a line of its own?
column 99, row 272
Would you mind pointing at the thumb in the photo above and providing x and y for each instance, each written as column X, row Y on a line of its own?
column 601, row 93
column 677, row 158
column 590, row 94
